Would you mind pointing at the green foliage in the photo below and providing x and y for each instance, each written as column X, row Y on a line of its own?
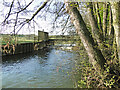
column 74, row 4
column 110, row 77
column 90, row 78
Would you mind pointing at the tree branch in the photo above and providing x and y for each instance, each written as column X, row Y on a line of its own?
column 15, row 23
column 25, row 7
column 66, row 23
column 9, row 11
column 44, row 4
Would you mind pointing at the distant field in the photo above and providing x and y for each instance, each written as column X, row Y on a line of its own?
column 30, row 38
column 64, row 37
column 18, row 42
column 19, row 39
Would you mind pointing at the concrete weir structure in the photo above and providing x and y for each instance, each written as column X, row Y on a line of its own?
column 43, row 41
column 42, row 36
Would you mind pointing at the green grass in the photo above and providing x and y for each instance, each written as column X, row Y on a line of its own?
column 30, row 38
column 24, row 39
column 3, row 43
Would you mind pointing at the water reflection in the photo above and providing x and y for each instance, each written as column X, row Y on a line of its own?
column 44, row 68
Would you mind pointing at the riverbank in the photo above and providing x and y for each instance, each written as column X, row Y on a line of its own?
column 23, row 48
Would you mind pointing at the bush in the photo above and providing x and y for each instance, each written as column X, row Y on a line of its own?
column 90, row 78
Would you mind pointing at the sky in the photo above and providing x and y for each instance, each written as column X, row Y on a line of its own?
column 44, row 24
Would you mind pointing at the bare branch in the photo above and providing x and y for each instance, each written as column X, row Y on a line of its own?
column 44, row 4
column 15, row 22
column 59, row 11
column 25, row 7
column 9, row 11
column 66, row 23
column 21, row 27
column 36, row 23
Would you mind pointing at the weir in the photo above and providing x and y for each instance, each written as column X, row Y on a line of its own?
column 42, row 42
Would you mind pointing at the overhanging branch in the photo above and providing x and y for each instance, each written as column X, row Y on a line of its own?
column 44, row 4
column 9, row 11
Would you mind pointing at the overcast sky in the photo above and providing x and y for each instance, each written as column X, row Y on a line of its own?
column 43, row 23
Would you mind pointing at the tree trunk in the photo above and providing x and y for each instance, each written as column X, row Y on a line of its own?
column 97, row 34
column 105, row 15
column 110, row 32
column 95, row 12
column 115, row 6
column 98, row 16
column 110, row 28
column 94, row 54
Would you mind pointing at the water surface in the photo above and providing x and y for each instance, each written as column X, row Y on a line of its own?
column 44, row 69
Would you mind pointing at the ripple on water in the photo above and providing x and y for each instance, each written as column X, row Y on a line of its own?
column 39, row 71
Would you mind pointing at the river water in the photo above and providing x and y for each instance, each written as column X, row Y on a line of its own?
column 49, row 68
